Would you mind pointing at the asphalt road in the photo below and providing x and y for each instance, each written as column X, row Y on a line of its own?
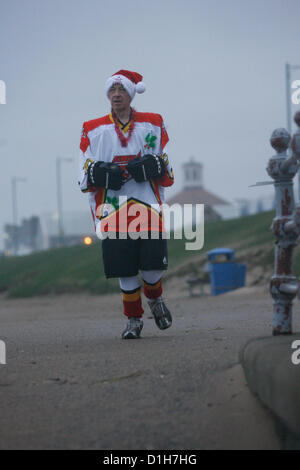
column 71, row 382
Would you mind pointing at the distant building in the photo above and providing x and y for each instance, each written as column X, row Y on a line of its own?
column 76, row 226
column 193, row 192
column 24, row 238
column 41, row 233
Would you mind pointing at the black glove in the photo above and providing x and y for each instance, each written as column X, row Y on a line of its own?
column 146, row 168
column 106, row 175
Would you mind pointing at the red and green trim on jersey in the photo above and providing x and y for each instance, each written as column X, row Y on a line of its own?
column 89, row 126
column 122, row 220
column 152, row 118
column 99, row 198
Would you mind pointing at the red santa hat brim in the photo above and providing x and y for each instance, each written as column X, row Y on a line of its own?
column 131, row 81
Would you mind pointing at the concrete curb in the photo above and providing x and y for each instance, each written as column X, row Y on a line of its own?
column 272, row 376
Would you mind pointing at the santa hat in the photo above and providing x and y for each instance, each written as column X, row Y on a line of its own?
column 131, row 81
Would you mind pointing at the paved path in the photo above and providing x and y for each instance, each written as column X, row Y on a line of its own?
column 70, row 382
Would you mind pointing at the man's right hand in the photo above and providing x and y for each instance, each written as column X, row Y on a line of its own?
column 105, row 175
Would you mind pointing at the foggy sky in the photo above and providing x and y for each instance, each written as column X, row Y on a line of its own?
column 214, row 69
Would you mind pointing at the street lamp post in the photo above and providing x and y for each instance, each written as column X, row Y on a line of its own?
column 15, row 234
column 288, row 96
column 59, row 160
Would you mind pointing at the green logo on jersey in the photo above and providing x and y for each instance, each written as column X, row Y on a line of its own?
column 150, row 139
column 113, row 201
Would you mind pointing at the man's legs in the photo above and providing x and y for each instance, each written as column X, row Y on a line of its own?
column 132, row 302
column 152, row 283
column 131, row 293
column 153, row 291
column 132, row 306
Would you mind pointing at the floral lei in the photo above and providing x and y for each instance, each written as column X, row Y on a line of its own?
column 124, row 140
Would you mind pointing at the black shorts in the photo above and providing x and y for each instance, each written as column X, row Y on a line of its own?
column 125, row 257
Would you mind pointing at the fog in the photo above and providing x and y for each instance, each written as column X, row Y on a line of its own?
column 215, row 70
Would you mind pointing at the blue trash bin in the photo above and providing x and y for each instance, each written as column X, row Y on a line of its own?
column 225, row 274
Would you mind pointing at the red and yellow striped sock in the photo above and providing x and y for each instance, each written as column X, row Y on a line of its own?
column 152, row 291
column 132, row 303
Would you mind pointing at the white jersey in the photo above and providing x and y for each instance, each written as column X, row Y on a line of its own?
column 100, row 142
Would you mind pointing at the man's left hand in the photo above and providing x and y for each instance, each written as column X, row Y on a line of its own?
column 148, row 167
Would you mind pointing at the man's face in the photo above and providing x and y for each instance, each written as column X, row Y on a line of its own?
column 119, row 98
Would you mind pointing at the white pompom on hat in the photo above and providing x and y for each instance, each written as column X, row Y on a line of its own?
column 131, row 81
